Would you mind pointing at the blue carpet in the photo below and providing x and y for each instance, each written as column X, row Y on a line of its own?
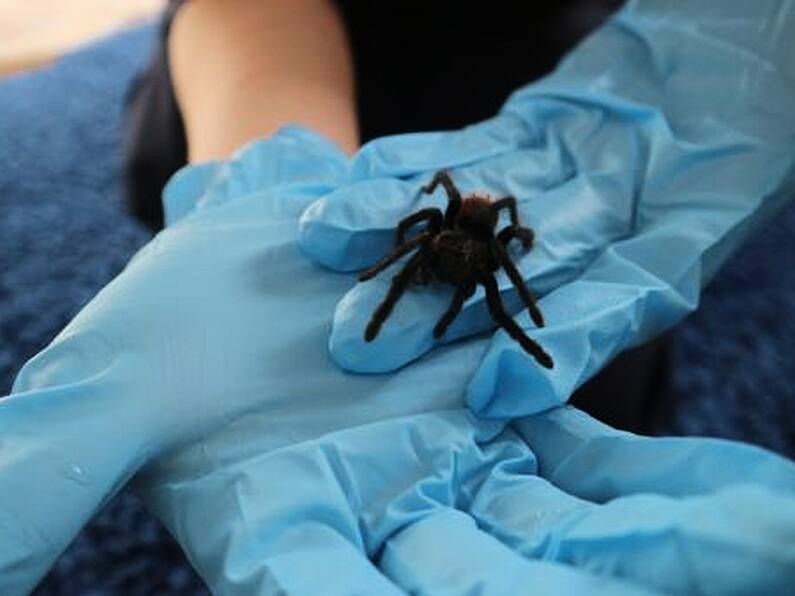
column 64, row 234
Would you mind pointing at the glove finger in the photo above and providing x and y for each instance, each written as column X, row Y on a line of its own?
column 403, row 155
column 446, row 553
column 695, row 202
column 634, row 289
column 292, row 157
column 284, row 522
column 587, row 323
column 314, row 507
column 354, row 226
column 738, row 540
column 567, row 240
column 53, row 476
column 596, row 462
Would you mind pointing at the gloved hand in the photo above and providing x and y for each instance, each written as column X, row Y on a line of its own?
column 641, row 163
column 443, row 503
column 201, row 371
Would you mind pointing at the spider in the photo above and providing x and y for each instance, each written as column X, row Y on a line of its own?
column 460, row 247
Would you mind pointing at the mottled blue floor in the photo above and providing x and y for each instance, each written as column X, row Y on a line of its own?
column 64, row 234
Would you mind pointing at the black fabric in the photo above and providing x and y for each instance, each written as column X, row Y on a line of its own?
column 443, row 65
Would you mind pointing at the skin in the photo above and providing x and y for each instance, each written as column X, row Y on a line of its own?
column 243, row 68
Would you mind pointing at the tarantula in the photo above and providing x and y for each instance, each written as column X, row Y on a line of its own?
column 460, row 247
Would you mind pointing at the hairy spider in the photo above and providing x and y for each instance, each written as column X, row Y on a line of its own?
column 460, row 247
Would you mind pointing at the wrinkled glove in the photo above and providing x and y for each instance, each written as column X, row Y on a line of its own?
column 658, row 144
column 201, row 372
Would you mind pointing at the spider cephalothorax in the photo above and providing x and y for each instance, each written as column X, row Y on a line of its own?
column 460, row 247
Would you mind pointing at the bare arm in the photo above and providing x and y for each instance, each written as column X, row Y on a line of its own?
column 243, row 68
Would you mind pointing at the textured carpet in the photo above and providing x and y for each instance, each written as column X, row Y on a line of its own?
column 64, row 234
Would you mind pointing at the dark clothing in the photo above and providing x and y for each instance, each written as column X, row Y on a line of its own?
column 154, row 136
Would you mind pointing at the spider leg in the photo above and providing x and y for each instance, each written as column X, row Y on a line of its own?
column 432, row 215
column 525, row 235
column 399, row 284
column 453, row 196
column 516, row 279
column 506, row 322
column 461, row 295
column 399, row 251
column 508, row 203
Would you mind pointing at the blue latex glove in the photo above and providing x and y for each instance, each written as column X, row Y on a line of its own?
column 201, row 371
column 641, row 163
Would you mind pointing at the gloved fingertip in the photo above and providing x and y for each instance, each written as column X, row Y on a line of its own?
column 352, row 352
column 510, row 382
column 401, row 338
column 353, row 227
column 336, row 246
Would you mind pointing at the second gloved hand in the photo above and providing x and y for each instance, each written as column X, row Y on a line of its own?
column 641, row 163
